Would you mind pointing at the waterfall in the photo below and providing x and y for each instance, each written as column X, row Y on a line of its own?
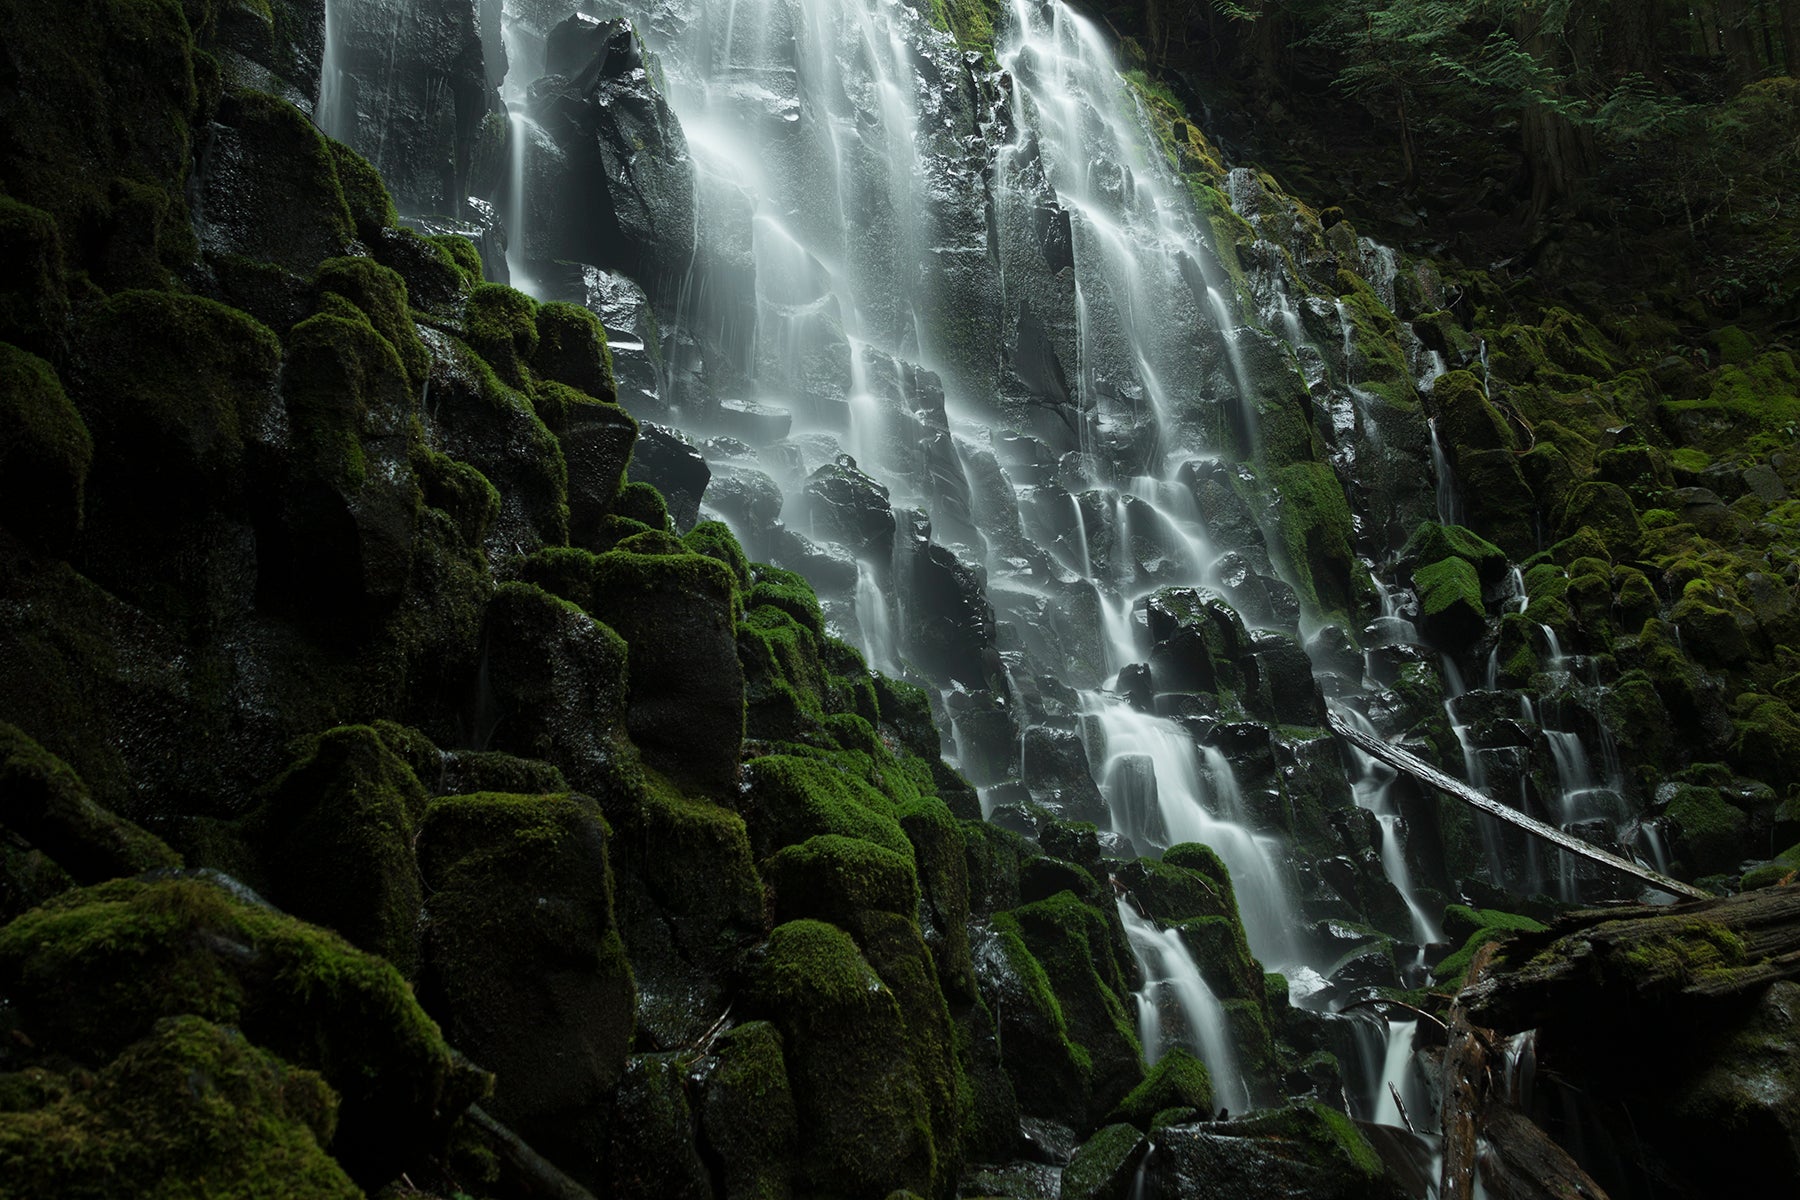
column 1449, row 504
column 872, row 617
column 1372, row 790
column 328, row 112
column 1168, row 967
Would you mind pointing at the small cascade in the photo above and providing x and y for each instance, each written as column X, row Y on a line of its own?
column 1449, row 503
column 517, row 201
column 1170, row 972
column 1402, row 1085
column 1197, row 806
column 329, row 113
column 1372, row 791
column 872, row 617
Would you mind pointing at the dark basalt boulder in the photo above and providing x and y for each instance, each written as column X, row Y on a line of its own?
column 529, row 979
column 844, row 505
column 1307, row 1150
column 666, row 459
column 625, row 199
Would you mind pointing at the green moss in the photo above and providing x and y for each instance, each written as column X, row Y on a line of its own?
column 107, row 90
column 523, row 962
column 1752, row 406
column 692, row 855
column 835, row 878
column 748, row 1114
column 971, row 21
column 787, row 591
column 288, row 204
column 1708, row 831
column 1315, row 527
column 801, row 797
column 1780, row 870
column 336, row 371
column 1178, row 1080
column 45, row 453
column 1375, row 332
column 175, row 384
column 91, row 972
column 1432, row 542
column 502, row 328
column 193, row 1109
column 34, row 297
column 863, row 1118
column 1103, row 1167
column 572, row 349
column 463, row 253
column 371, row 208
column 715, row 540
column 380, row 294
column 641, row 502
column 462, row 492
column 46, row 804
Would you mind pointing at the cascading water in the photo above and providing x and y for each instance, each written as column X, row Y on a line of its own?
column 328, row 112
column 838, row 148
column 1168, row 967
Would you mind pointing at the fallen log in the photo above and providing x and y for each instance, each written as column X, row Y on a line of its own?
column 1424, row 772
column 1518, row 1160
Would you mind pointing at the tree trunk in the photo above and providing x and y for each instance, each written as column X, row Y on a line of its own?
column 1706, row 16
column 1790, row 35
column 1739, row 40
column 1635, row 33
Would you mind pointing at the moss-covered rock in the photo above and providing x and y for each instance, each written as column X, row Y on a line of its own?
column 91, row 972
column 380, row 293
column 335, row 833
column 678, row 614
column 502, row 328
column 556, row 684
column 1707, row 831
column 1105, row 1165
column 43, row 802
column 1178, row 1080
column 1450, row 608
column 34, row 298
column 863, row 1119
column 747, row 1116
column 1305, row 1149
column 835, row 878
column 45, row 452
column 1606, row 509
column 572, row 350
column 596, row 440
column 523, row 963
column 191, row 1109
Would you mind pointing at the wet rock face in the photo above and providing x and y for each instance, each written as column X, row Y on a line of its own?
column 411, row 93
column 624, row 198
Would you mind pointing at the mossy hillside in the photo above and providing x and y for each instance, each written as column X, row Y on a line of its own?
column 530, row 980
column 45, row 453
column 191, row 1109
column 91, row 972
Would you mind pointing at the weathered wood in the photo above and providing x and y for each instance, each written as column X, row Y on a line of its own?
column 1520, row 1161
column 1586, row 962
column 1429, row 775
column 1464, row 1091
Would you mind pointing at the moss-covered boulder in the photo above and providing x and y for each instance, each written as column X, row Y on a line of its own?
column 91, row 972
column 1178, row 1080
column 864, row 1121
column 271, row 191
column 1605, row 508
column 1105, row 1165
column 836, row 878
column 45, row 452
column 191, row 1109
column 1304, row 1150
column 34, row 297
column 572, row 350
column 502, row 328
column 1707, row 832
column 596, row 440
column 678, row 614
column 555, row 684
column 523, row 963
column 1076, row 949
column 1432, row 542
column 335, row 833
column 1451, row 613
column 747, row 1116
column 45, row 803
